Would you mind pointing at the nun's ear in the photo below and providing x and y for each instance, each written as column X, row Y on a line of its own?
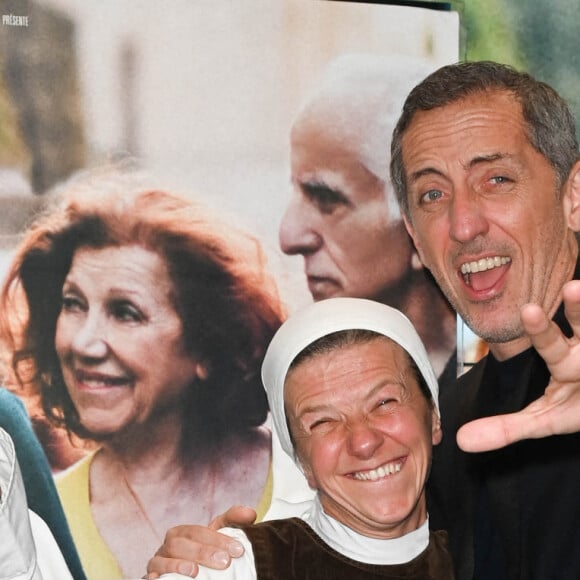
column 307, row 471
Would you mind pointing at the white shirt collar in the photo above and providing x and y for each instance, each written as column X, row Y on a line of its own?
column 362, row 548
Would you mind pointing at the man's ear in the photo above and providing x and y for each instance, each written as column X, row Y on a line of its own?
column 571, row 198
column 416, row 263
column 202, row 371
column 436, row 432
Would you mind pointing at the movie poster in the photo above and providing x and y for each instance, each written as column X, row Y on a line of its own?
column 272, row 113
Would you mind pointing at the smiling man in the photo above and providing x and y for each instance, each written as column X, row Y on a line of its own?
column 354, row 399
column 486, row 168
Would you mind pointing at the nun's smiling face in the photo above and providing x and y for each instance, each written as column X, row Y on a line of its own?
column 363, row 431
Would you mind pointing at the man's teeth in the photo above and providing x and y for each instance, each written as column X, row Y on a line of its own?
column 484, row 264
column 382, row 471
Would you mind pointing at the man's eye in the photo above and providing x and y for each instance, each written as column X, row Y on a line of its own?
column 500, row 179
column 431, row 195
column 324, row 197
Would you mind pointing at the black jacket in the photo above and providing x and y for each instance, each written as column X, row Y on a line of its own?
column 515, row 509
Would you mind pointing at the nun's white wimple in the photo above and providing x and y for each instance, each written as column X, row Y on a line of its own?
column 323, row 318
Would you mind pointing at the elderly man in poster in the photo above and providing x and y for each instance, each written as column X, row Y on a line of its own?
column 343, row 216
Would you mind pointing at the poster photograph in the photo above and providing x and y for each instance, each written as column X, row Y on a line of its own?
column 270, row 120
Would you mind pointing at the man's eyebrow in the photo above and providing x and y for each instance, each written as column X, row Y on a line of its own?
column 487, row 159
column 479, row 159
column 317, row 189
column 425, row 171
column 315, row 185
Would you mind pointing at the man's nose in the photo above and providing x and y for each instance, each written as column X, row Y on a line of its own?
column 467, row 218
column 298, row 234
column 90, row 339
column 363, row 439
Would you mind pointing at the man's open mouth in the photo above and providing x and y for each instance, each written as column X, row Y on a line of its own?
column 484, row 273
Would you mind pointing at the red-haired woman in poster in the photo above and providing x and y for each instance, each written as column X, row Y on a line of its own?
column 141, row 320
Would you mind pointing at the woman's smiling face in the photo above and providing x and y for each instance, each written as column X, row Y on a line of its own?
column 119, row 340
column 363, row 432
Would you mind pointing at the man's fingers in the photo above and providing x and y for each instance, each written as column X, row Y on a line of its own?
column 571, row 297
column 545, row 335
column 495, row 432
column 554, row 412
column 483, row 435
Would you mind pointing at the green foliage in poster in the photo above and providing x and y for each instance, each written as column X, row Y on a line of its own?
column 534, row 35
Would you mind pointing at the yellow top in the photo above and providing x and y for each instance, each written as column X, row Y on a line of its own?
column 73, row 489
column 97, row 560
